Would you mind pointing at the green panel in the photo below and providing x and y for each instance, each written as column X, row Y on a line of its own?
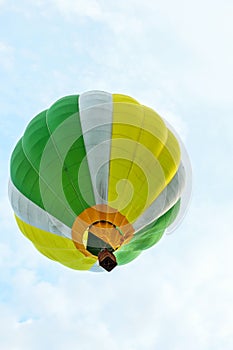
column 146, row 237
column 75, row 167
column 60, row 164
column 61, row 110
column 35, row 138
column 46, row 161
column 24, row 176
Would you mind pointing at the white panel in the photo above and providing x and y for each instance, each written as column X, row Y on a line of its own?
column 168, row 197
column 187, row 186
column 186, row 191
column 96, row 120
column 33, row 215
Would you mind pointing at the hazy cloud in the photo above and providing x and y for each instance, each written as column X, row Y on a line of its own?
column 177, row 58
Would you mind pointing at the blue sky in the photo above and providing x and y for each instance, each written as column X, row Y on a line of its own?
column 177, row 57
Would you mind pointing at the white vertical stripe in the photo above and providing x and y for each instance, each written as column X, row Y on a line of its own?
column 186, row 191
column 96, row 120
column 33, row 215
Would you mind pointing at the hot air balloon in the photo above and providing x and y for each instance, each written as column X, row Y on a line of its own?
column 96, row 179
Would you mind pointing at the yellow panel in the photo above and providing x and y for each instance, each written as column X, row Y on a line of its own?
column 124, row 98
column 140, row 166
column 154, row 125
column 55, row 247
column 126, row 128
column 170, row 156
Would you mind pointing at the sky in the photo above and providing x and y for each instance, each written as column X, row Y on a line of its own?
column 176, row 57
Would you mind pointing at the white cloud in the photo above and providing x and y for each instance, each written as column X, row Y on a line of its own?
column 6, row 56
column 192, row 38
column 88, row 8
column 183, row 300
column 178, row 295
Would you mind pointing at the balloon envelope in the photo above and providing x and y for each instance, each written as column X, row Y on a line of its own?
column 97, row 171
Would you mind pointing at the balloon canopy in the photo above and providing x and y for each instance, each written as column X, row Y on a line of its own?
column 96, row 179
